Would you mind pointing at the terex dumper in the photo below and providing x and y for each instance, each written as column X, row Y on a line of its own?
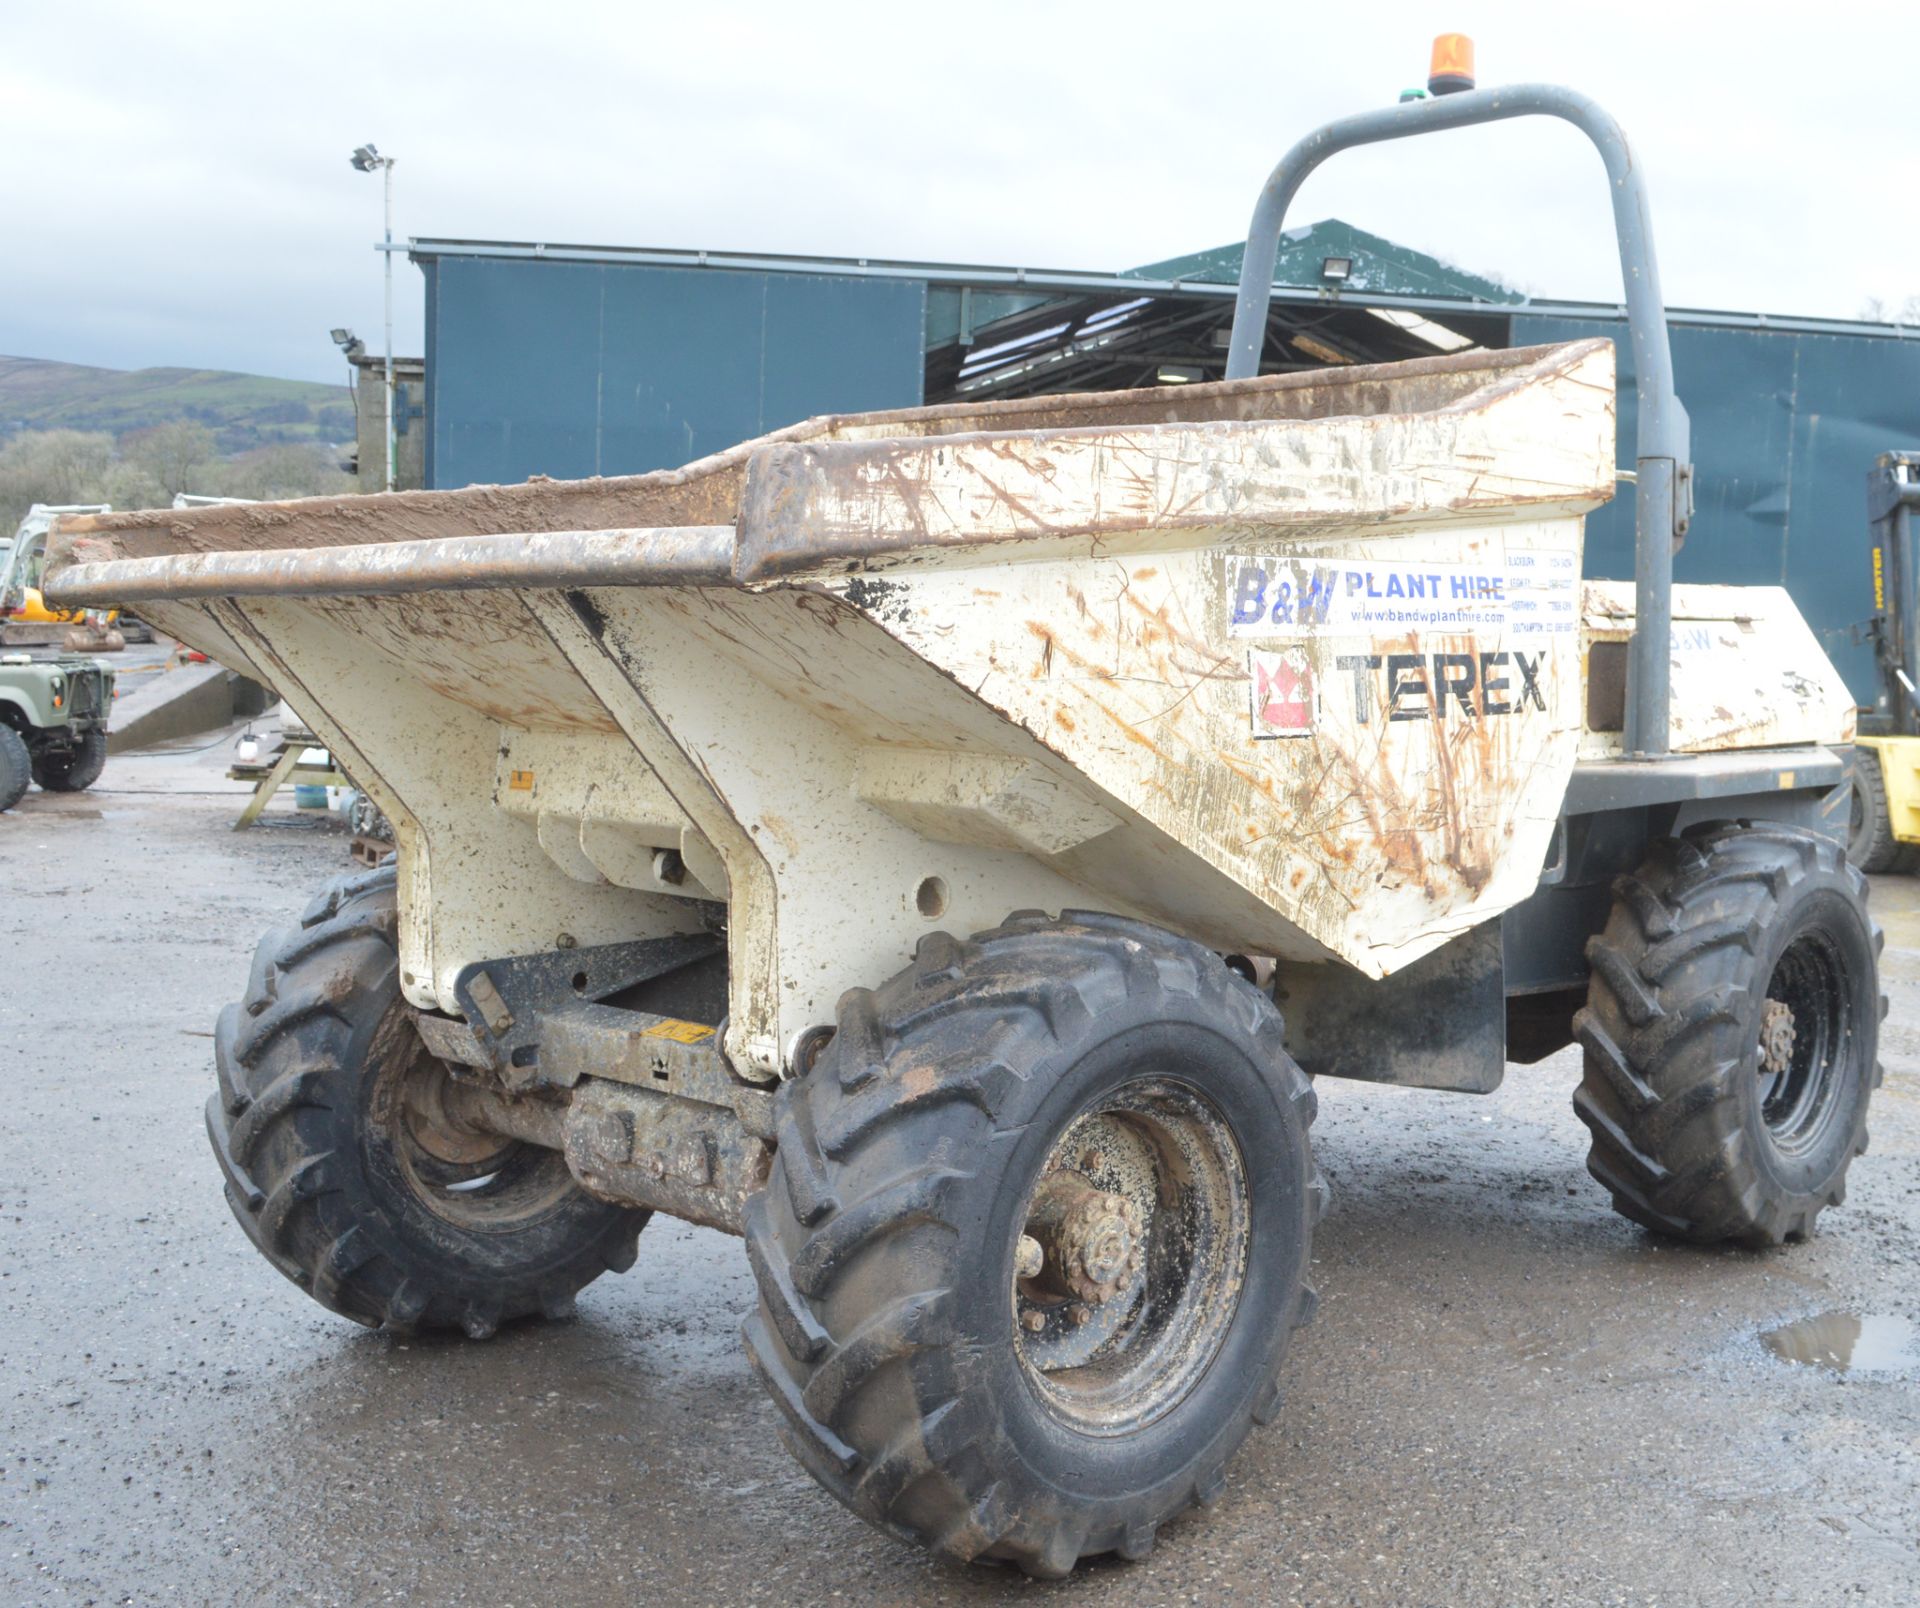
column 943, row 846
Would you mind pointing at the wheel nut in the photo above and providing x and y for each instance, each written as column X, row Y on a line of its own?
column 1033, row 1320
column 1108, row 1254
column 1092, row 1161
column 1028, row 1258
column 1077, row 1314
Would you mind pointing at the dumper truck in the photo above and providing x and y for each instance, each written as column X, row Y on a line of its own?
column 954, row 848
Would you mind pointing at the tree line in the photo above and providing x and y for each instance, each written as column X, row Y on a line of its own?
column 147, row 468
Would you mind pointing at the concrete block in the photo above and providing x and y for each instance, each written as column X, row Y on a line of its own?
column 180, row 702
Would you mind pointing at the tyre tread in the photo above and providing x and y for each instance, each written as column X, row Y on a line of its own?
column 1669, row 987
column 987, row 1011
column 282, row 1054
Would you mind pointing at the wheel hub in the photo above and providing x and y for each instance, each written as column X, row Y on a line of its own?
column 435, row 1125
column 476, row 1177
column 1129, row 1256
column 1090, row 1239
column 1776, row 1038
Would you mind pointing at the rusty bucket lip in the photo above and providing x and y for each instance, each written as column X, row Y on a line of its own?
column 772, row 538
column 674, row 555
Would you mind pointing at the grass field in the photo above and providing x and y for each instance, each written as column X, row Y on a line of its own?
column 243, row 410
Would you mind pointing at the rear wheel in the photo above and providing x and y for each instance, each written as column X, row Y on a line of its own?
column 76, row 769
column 344, row 1167
column 1034, row 1240
column 1871, row 844
column 16, row 767
column 1731, row 1029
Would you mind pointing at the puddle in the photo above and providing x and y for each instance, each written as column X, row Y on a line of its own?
column 1847, row 1342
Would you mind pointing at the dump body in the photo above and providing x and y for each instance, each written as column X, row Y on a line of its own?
column 1293, row 666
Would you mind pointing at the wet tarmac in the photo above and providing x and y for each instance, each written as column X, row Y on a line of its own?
column 1510, row 1395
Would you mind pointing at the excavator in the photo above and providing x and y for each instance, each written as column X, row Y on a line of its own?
column 26, row 619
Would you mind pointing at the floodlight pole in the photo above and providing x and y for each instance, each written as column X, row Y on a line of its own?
column 387, row 252
column 364, row 160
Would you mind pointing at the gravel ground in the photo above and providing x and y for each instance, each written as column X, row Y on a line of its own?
column 1510, row 1396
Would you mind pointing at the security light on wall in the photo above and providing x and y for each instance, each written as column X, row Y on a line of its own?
column 1336, row 270
column 341, row 337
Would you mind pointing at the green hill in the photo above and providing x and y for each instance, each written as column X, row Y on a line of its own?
column 243, row 410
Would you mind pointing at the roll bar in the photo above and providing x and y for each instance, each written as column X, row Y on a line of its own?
column 1663, row 490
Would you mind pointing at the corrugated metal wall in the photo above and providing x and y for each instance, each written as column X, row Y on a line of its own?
column 583, row 368
column 1785, row 426
column 575, row 369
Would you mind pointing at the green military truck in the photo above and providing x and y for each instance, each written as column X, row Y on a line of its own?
column 53, row 723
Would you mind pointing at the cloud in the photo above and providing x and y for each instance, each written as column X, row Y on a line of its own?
column 178, row 190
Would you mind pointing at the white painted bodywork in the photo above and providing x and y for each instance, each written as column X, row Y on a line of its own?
column 1748, row 671
column 995, row 658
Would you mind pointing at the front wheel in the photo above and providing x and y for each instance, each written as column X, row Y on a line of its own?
column 75, row 770
column 1871, row 844
column 1034, row 1240
column 1731, row 1029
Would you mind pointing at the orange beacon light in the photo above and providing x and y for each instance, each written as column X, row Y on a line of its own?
column 1452, row 68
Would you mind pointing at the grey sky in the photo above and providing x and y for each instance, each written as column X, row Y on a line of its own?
column 177, row 190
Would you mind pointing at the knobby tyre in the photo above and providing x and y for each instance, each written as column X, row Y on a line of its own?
column 75, row 771
column 339, row 1161
column 1034, row 1241
column 1731, row 1035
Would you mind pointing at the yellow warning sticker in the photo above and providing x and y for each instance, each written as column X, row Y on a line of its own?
column 520, row 781
column 680, row 1032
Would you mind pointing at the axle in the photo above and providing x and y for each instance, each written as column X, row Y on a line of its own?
column 635, row 1146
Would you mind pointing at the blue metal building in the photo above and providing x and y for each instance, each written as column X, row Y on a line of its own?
column 577, row 360
column 540, row 363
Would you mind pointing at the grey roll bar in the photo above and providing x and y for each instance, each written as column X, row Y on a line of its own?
column 1663, row 490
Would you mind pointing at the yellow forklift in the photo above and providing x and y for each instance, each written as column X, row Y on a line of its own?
column 1885, row 833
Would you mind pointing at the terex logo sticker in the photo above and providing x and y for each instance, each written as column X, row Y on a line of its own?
column 1385, row 688
column 1283, row 695
column 1439, row 686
